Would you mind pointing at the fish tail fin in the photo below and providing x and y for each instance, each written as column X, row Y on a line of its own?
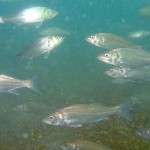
column 124, row 110
column 35, row 84
column 2, row 20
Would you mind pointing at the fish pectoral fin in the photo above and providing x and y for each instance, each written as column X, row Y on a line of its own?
column 13, row 92
column 46, row 54
column 37, row 25
column 72, row 123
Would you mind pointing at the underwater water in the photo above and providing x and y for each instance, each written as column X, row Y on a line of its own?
column 71, row 75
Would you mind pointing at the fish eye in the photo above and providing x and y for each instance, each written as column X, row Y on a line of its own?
column 111, row 70
column 141, row 131
column 106, row 55
column 66, row 145
column 92, row 37
column 53, row 11
column 50, row 117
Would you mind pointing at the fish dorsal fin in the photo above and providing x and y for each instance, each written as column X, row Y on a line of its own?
column 37, row 25
column 46, row 54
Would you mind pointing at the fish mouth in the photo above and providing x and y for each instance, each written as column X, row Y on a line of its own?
column 46, row 120
column 62, row 38
column 110, row 74
column 107, row 73
column 87, row 39
column 56, row 13
column 101, row 58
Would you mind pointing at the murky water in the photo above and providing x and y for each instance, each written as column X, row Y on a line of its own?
column 71, row 75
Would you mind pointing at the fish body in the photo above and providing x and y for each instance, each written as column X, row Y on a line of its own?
column 81, row 114
column 31, row 15
column 9, row 84
column 145, row 11
column 145, row 133
column 41, row 46
column 20, row 108
column 54, row 31
column 83, row 145
column 139, row 34
column 110, row 41
column 126, row 57
column 139, row 74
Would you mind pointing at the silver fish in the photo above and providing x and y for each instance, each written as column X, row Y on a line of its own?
column 110, row 41
column 9, row 84
column 126, row 57
column 139, row 34
column 139, row 74
column 83, row 145
column 41, row 46
column 20, row 108
column 54, row 31
column 81, row 114
column 145, row 133
column 145, row 11
column 31, row 15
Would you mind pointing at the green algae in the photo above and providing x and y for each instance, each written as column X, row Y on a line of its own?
column 115, row 132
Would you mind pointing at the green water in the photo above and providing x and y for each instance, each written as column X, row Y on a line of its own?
column 71, row 75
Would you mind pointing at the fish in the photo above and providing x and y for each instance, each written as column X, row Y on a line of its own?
column 54, row 31
column 30, row 15
column 83, row 145
column 10, row 84
column 81, row 114
column 139, row 74
column 145, row 11
column 21, row 108
column 110, row 41
column 145, row 133
column 139, row 34
column 126, row 57
column 40, row 46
